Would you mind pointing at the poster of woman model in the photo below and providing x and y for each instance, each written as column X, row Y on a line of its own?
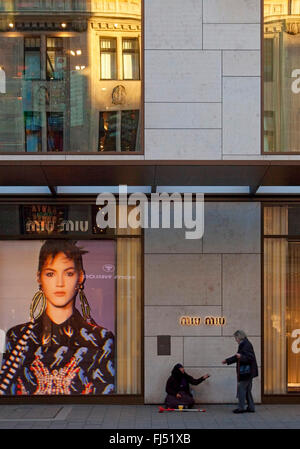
column 57, row 308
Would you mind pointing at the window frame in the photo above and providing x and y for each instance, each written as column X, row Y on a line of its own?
column 133, row 52
column 263, row 152
column 115, row 53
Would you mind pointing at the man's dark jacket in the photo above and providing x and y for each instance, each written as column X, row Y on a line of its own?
column 247, row 358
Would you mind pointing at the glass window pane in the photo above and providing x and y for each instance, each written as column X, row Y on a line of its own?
column 108, row 131
column 32, row 58
column 129, row 130
column 33, row 131
column 108, row 66
column 56, row 60
column 32, row 65
column 131, row 69
column 282, row 75
column 55, row 122
column 108, row 59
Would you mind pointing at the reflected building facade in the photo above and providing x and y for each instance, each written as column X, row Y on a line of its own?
column 281, row 76
column 70, row 78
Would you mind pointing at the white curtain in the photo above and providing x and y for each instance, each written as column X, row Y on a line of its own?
column 108, row 66
column 129, row 309
column 275, row 293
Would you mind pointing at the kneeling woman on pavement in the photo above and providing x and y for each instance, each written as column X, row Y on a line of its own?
column 178, row 388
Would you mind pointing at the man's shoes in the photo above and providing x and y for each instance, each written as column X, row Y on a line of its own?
column 238, row 410
column 248, row 410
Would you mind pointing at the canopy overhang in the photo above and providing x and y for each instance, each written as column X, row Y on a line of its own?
column 66, row 176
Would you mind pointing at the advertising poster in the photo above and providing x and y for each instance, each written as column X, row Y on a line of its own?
column 57, row 317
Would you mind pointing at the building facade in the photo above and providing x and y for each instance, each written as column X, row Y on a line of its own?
column 161, row 97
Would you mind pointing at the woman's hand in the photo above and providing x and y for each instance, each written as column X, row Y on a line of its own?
column 206, row 376
column 178, row 395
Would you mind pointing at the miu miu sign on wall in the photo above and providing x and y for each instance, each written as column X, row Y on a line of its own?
column 197, row 321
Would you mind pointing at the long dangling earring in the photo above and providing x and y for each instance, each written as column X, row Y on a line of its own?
column 85, row 307
column 39, row 300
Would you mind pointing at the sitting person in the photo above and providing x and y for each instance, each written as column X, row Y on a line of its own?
column 178, row 389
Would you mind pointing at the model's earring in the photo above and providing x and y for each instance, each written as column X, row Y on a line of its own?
column 85, row 307
column 38, row 301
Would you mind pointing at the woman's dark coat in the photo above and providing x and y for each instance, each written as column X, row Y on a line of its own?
column 247, row 358
column 179, row 381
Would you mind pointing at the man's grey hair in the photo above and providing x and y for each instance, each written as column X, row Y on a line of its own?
column 241, row 335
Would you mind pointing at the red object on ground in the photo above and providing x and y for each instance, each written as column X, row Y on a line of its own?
column 162, row 409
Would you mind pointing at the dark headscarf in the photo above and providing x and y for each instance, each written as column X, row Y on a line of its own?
column 177, row 373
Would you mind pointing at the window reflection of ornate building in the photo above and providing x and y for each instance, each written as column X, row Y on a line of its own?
column 281, row 134
column 73, row 75
column 281, row 60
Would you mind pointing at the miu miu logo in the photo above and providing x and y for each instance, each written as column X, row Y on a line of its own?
column 207, row 321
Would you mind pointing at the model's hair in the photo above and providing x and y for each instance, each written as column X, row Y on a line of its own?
column 240, row 334
column 68, row 247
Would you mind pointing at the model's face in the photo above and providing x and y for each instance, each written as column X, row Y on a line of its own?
column 60, row 280
column 181, row 369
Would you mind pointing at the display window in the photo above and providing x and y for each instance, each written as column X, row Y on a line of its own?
column 281, row 299
column 70, row 307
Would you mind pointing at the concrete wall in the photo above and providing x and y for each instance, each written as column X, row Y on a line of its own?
column 218, row 275
column 202, row 79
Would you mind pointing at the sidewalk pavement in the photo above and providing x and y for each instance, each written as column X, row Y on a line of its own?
column 145, row 417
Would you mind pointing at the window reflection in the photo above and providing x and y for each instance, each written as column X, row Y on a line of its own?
column 281, row 75
column 59, row 71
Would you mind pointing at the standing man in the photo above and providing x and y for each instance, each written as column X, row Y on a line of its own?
column 246, row 369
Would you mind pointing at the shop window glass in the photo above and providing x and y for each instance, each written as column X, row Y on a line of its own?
column 131, row 59
column 54, row 61
column 281, row 299
column 108, row 58
column 282, row 73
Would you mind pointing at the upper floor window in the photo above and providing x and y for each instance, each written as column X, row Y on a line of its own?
column 59, row 71
column 131, row 59
column 118, row 130
column 108, row 58
column 56, row 58
column 281, row 76
column 113, row 50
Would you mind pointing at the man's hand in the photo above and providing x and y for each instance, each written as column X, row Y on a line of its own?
column 178, row 396
column 238, row 355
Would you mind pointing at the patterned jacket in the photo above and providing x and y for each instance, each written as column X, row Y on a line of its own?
column 45, row 358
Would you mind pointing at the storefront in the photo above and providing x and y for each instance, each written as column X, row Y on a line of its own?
column 102, row 352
